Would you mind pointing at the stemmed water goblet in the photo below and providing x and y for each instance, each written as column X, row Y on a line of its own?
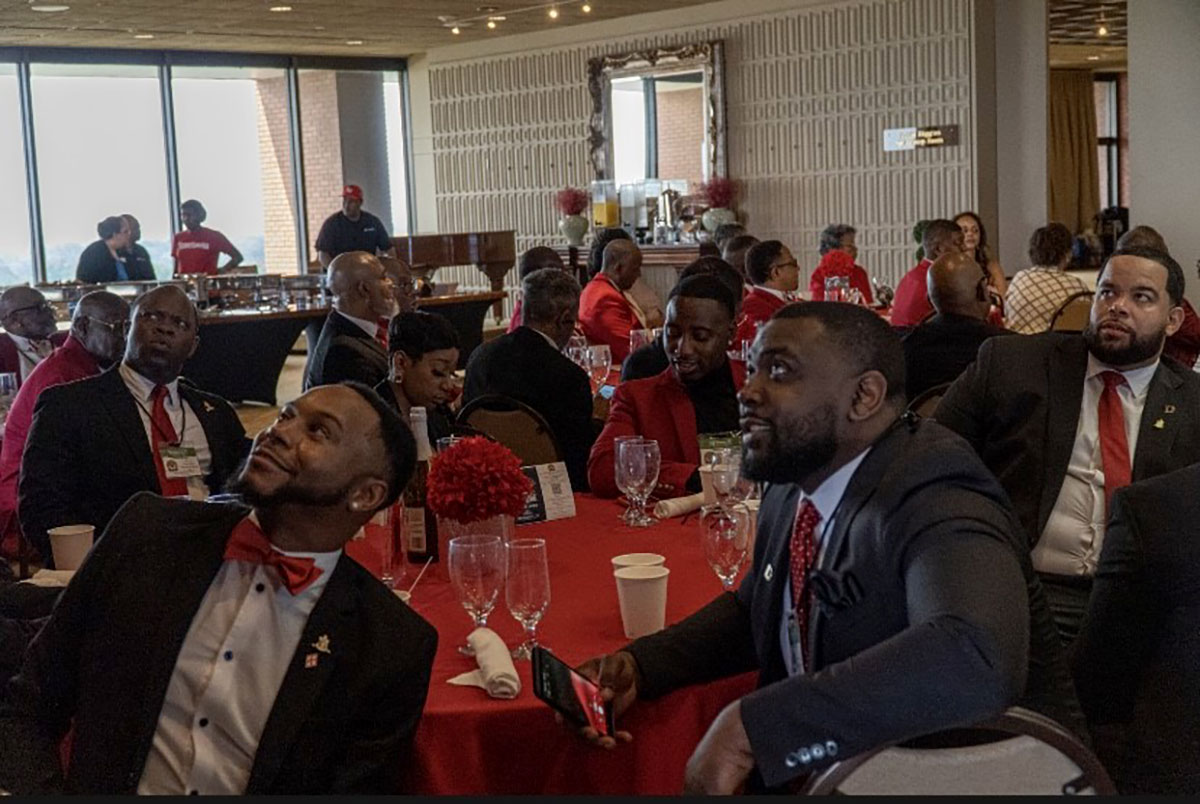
column 527, row 589
column 637, row 468
column 476, row 566
column 725, row 531
column 599, row 361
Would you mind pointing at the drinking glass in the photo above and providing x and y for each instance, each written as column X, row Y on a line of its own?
column 8, row 392
column 391, row 542
column 599, row 361
column 527, row 589
column 621, row 479
column 446, row 442
column 639, row 462
column 476, row 564
column 576, row 350
column 726, row 535
column 836, row 288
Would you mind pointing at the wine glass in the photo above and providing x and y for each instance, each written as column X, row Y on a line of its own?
column 622, row 479
column 576, row 350
column 527, row 589
column 599, row 361
column 726, row 535
column 476, row 564
column 639, row 462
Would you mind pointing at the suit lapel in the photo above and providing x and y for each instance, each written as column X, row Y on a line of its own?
column 683, row 416
column 334, row 618
column 775, row 571
column 1163, row 399
column 122, row 411
column 1066, row 370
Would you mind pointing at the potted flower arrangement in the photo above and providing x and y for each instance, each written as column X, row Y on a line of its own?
column 719, row 192
column 571, row 201
column 476, row 486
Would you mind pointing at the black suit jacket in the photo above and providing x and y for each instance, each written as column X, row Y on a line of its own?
column 87, row 453
column 345, row 352
column 928, row 614
column 1137, row 660
column 1018, row 406
column 96, row 265
column 106, row 656
column 941, row 349
column 524, row 366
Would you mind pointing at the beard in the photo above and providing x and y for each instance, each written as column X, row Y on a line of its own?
column 794, row 449
column 1137, row 351
column 291, row 492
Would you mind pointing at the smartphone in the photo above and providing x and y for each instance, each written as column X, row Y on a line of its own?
column 572, row 695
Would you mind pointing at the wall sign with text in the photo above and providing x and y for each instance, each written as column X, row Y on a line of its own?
column 909, row 139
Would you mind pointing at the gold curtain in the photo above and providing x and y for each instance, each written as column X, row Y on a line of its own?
column 1074, row 174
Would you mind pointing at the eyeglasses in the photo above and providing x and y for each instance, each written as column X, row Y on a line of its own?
column 155, row 317
column 789, row 264
column 40, row 307
column 114, row 327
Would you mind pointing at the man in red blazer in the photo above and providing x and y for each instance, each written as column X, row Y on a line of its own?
column 775, row 274
column 696, row 394
column 605, row 315
column 29, row 335
column 96, row 341
column 911, row 304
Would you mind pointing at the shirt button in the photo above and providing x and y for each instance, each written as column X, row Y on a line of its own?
column 229, row 656
column 203, row 722
column 259, row 587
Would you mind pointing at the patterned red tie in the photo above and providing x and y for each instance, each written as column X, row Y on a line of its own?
column 247, row 542
column 802, row 556
column 1114, row 449
column 381, row 328
column 164, row 434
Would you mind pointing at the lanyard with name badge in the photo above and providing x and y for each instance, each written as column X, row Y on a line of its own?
column 178, row 461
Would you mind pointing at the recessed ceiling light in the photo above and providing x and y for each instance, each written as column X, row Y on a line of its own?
column 354, row 41
column 1093, row 58
column 143, row 36
column 486, row 9
column 49, row 9
column 586, row 9
column 281, row 9
column 492, row 24
column 455, row 30
column 553, row 13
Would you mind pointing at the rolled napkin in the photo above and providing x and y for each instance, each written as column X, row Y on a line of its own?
column 665, row 509
column 55, row 578
column 497, row 674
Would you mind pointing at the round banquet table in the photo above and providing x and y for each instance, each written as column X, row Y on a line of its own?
column 470, row 744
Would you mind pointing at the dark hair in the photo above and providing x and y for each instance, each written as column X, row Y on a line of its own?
column 110, row 226
column 398, row 443
column 1143, row 237
column 537, row 258
column 703, row 286
column 831, row 236
column 196, row 207
column 981, row 251
column 416, row 333
column 1049, row 245
column 723, row 271
column 936, row 231
column 862, row 337
column 599, row 240
column 1176, row 284
column 759, row 259
column 727, row 231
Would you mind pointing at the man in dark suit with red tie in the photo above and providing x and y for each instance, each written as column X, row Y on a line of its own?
column 775, row 276
column 1064, row 420
column 137, row 427
column 222, row 648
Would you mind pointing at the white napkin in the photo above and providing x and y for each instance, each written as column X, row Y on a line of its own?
column 497, row 674
column 46, row 577
column 678, row 506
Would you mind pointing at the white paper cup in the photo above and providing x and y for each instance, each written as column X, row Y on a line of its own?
column 706, row 485
column 642, row 595
column 637, row 560
column 70, row 544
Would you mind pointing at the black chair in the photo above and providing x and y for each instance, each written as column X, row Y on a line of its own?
column 514, row 424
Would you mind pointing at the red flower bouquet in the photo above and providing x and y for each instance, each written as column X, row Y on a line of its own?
column 571, row 200
column 719, row 192
column 476, row 479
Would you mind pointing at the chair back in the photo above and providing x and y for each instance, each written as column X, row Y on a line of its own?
column 1073, row 314
column 1025, row 753
column 515, row 425
column 926, row 402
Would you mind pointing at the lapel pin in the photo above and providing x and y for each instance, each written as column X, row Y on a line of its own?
column 322, row 643
column 310, row 661
column 1169, row 409
column 768, row 573
column 208, row 408
column 1159, row 424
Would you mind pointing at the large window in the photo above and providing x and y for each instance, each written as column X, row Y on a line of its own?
column 1111, row 139
column 16, row 264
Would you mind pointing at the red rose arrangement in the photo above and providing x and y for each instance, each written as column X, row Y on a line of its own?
column 477, row 479
column 719, row 192
column 571, row 200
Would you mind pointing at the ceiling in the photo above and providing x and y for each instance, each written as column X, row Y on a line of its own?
column 1075, row 40
column 312, row 27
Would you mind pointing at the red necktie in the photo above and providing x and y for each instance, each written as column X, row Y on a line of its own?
column 164, row 433
column 247, row 542
column 802, row 557
column 381, row 328
column 1114, row 449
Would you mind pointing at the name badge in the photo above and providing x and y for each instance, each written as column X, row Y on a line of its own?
column 181, row 462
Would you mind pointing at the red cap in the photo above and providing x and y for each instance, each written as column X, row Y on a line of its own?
column 352, row 191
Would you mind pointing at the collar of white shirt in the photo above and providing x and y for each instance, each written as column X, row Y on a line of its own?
column 324, row 561
column 782, row 295
column 142, row 387
column 366, row 326
column 829, row 494
column 1138, row 379
column 28, row 345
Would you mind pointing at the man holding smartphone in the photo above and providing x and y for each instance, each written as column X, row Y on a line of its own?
column 891, row 594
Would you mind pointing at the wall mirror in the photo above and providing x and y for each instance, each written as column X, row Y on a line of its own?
column 659, row 114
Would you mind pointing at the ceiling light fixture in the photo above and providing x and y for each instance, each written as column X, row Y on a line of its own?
column 1093, row 58
column 1103, row 29
column 280, row 9
column 586, row 9
column 354, row 41
column 492, row 24
column 143, row 36
column 49, row 9
column 455, row 30
column 553, row 13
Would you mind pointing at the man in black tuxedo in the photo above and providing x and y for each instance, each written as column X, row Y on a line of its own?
column 1138, row 655
column 137, row 427
column 1064, row 420
column 353, row 341
column 940, row 349
column 890, row 595
column 225, row 649
column 528, row 365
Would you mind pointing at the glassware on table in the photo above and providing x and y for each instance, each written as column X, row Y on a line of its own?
column 638, row 463
column 576, row 350
column 8, row 392
column 527, row 589
column 726, row 534
column 622, row 485
column 643, row 337
column 446, row 442
column 599, row 362
column 725, row 468
column 837, row 288
column 476, row 567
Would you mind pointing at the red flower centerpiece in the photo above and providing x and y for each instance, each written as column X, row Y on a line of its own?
column 719, row 192
column 571, row 201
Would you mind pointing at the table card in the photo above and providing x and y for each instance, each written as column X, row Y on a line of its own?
column 552, row 496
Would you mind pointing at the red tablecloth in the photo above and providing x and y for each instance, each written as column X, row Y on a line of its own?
column 468, row 743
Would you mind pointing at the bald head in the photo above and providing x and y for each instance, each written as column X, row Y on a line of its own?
column 360, row 286
column 622, row 263
column 958, row 286
column 24, row 312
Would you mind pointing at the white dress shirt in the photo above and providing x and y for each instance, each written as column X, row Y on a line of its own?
column 1074, row 533
column 826, row 499
column 227, row 675
column 30, row 353
column 181, row 415
column 366, row 325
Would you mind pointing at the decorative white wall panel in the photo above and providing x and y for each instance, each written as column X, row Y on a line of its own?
column 809, row 92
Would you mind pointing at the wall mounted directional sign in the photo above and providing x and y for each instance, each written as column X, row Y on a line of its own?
column 908, row 139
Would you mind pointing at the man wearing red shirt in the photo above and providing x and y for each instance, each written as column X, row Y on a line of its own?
column 911, row 303
column 97, row 341
column 775, row 274
column 605, row 315
column 197, row 248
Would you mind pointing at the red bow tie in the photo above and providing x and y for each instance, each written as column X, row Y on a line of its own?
column 249, row 543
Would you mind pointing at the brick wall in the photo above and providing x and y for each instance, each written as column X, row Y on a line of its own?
column 322, row 146
column 275, row 157
column 680, row 134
